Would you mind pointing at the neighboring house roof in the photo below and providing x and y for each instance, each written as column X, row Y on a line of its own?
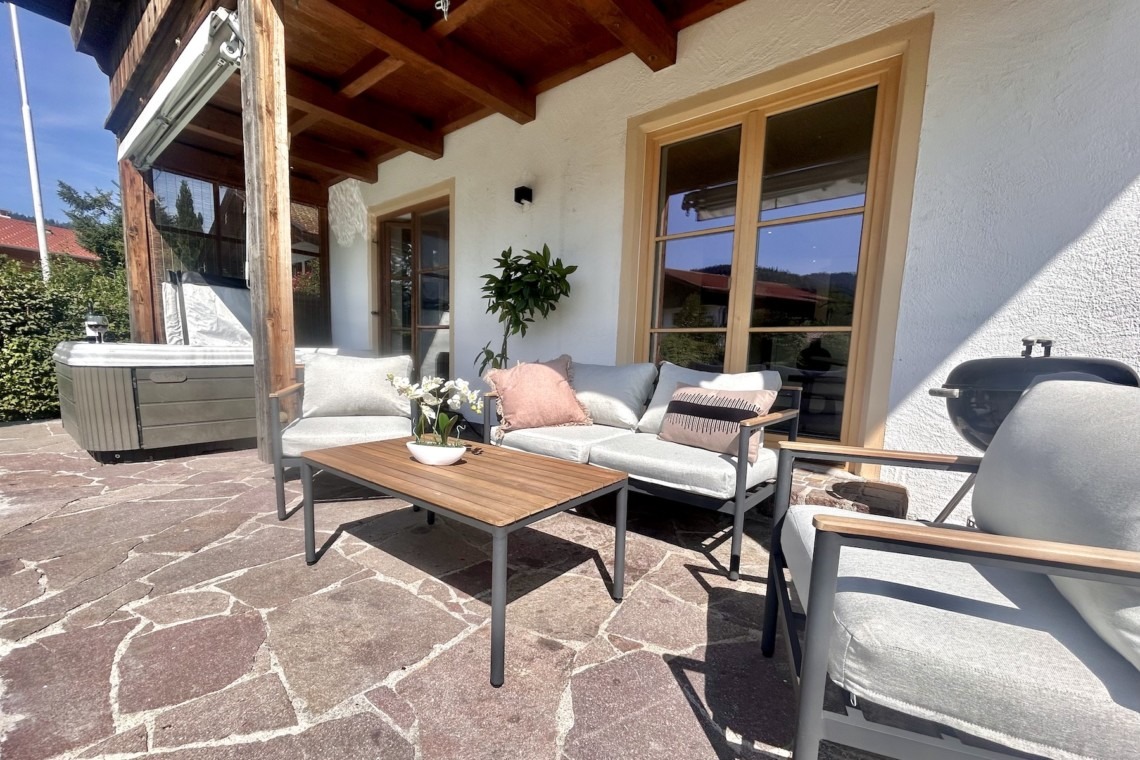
column 764, row 288
column 16, row 233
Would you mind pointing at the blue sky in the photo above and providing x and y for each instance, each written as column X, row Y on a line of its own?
column 70, row 100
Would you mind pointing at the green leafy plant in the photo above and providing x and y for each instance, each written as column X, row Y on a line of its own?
column 527, row 284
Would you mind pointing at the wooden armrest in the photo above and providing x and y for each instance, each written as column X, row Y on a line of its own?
column 1090, row 557
column 771, row 418
column 491, row 394
column 791, row 387
column 288, row 390
column 884, row 456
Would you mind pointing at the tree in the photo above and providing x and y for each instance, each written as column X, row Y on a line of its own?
column 182, row 229
column 692, row 349
column 185, row 218
column 97, row 218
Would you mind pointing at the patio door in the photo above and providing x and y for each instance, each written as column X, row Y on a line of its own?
column 762, row 256
column 415, row 288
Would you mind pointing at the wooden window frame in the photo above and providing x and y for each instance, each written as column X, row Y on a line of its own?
column 895, row 61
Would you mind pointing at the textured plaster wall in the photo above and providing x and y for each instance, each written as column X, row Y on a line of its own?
column 1026, row 214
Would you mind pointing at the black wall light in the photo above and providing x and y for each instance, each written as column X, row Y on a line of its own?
column 523, row 195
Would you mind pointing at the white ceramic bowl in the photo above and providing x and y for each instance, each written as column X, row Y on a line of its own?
column 436, row 455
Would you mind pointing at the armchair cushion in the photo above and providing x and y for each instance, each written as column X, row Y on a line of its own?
column 670, row 376
column 686, row 468
column 998, row 654
column 351, row 386
column 614, row 396
column 308, row 433
column 1063, row 467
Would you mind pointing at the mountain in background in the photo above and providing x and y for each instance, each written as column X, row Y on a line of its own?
column 26, row 218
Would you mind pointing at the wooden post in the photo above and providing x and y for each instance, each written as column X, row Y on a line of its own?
column 136, row 194
column 265, row 128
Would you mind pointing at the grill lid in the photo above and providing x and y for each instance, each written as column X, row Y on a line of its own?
column 1016, row 373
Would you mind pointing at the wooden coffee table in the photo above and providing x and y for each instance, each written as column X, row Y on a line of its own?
column 493, row 489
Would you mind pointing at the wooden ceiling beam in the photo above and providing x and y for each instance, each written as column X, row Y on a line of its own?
column 388, row 28
column 378, row 121
column 640, row 27
column 378, row 64
column 303, row 151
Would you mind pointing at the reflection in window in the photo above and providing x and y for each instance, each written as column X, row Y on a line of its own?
column 703, row 351
column 698, row 183
column 817, row 361
column 695, row 281
column 805, row 272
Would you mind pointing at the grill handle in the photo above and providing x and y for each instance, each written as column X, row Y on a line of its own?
column 944, row 392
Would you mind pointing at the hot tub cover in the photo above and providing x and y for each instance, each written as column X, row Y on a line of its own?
column 78, row 354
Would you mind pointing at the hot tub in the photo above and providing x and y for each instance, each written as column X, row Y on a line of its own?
column 118, row 398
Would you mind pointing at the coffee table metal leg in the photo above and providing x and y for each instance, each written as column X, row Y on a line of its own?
column 498, row 605
column 619, row 543
column 307, row 506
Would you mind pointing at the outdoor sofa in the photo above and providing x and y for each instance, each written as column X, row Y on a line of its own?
column 1020, row 636
column 341, row 400
column 627, row 405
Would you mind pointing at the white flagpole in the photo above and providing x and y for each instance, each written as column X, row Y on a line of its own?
column 30, row 141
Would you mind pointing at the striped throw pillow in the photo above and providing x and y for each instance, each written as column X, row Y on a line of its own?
column 710, row 419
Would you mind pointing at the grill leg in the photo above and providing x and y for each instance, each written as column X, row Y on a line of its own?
column 956, row 499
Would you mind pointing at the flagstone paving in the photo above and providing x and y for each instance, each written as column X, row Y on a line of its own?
column 159, row 608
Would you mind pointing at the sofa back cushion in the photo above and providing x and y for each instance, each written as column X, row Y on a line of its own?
column 670, row 376
column 710, row 419
column 614, row 396
column 536, row 394
column 1063, row 467
column 353, row 386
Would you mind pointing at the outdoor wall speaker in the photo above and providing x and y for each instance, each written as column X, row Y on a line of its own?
column 523, row 195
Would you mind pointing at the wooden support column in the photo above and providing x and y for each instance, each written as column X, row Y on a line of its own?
column 136, row 193
column 265, row 122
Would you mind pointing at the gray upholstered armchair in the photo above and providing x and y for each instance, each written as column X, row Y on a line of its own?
column 343, row 400
column 1021, row 636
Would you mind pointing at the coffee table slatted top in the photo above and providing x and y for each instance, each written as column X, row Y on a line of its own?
column 494, row 485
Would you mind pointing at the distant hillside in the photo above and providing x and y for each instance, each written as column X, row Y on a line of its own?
column 834, row 282
column 26, row 218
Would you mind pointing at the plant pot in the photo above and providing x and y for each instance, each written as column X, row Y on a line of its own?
column 434, row 454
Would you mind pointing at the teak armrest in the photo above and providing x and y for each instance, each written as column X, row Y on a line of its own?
column 771, row 419
column 836, row 453
column 288, row 390
column 979, row 543
column 491, row 394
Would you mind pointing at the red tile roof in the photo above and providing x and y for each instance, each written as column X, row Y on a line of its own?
column 15, row 233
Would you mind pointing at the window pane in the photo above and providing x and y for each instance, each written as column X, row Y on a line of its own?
column 231, row 213
column 805, row 272
column 183, row 203
column 816, row 157
column 698, row 183
column 397, row 343
column 400, row 310
column 435, row 353
column 434, row 236
column 434, row 299
column 703, row 351
column 816, row 361
column 694, row 279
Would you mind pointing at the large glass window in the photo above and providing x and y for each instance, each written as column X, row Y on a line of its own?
column 415, row 289
column 759, row 245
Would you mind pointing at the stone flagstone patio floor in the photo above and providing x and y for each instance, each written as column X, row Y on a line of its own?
column 160, row 608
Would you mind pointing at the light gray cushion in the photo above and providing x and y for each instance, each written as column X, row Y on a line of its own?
column 670, row 375
column 1065, row 466
column 310, row 433
column 646, row 457
column 571, row 442
column 614, row 396
column 993, row 653
column 349, row 386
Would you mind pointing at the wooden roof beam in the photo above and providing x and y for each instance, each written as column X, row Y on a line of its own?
column 390, row 29
column 375, row 120
column 303, row 151
column 378, row 64
column 640, row 26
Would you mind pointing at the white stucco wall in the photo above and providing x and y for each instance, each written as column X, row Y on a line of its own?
column 1026, row 215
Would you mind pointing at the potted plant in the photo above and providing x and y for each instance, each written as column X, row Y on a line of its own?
column 527, row 284
column 436, row 429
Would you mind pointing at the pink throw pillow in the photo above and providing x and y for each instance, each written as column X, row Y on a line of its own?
column 710, row 419
column 537, row 394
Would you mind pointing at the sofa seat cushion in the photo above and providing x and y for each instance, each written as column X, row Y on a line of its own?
column 310, row 433
column 705, row 473
column 572, row 443
column 998, row 654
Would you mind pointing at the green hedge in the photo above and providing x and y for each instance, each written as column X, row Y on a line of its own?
column 35, row 316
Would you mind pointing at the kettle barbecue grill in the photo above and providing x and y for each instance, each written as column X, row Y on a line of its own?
column 980, row 393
